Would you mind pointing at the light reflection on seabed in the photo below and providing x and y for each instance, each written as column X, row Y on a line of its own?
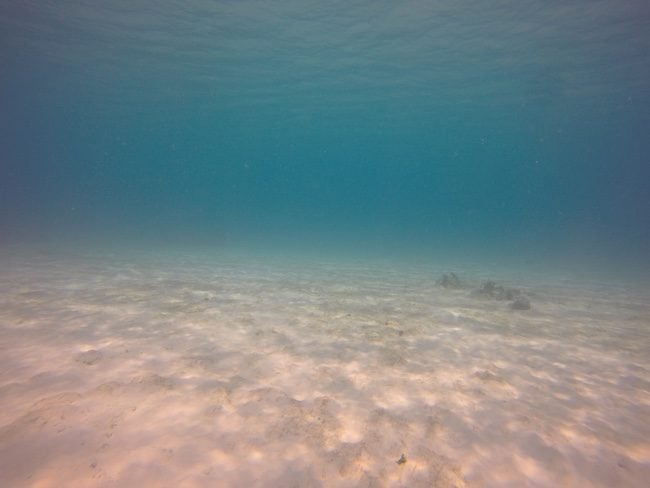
column 156, row 373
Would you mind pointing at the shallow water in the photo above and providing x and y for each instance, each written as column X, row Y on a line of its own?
column 224, row 226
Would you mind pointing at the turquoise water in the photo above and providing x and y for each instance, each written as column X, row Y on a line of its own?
column 324, row 243
column 504, row 127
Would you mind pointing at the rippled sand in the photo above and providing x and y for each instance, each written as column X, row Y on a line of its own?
column 186, row 371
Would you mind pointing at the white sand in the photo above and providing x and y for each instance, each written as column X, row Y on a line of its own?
column 181, row 371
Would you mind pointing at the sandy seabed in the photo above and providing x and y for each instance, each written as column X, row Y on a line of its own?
column 184, row 371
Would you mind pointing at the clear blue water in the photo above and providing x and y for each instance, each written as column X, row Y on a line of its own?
column 188, row 191
column 513, row 127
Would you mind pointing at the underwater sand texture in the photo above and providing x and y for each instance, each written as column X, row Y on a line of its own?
column 178, row 371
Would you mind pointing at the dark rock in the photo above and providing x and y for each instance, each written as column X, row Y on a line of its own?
column 492, row 290
column 520, row 303
column 450, row 280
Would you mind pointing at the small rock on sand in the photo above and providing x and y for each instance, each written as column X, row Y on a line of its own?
column 520, row 303
column 89, row 357
column 450, row 281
